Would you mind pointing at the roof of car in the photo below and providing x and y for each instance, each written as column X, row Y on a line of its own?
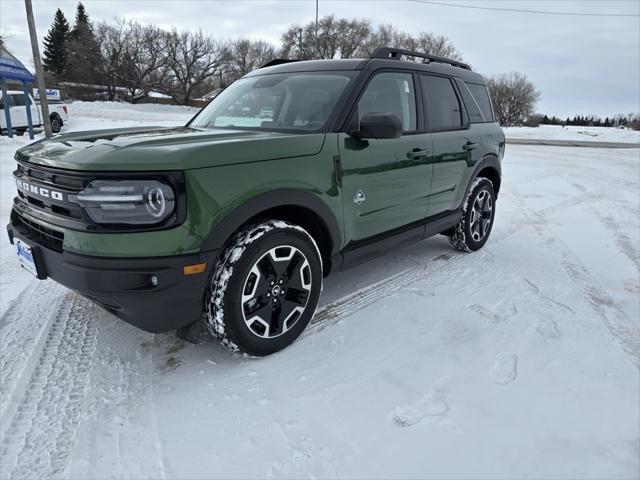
column 369, row 64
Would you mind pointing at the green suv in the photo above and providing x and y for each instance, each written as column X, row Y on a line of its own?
column 296, row 170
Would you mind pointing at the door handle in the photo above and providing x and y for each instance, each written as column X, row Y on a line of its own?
column 469, row 146
column 418, row 153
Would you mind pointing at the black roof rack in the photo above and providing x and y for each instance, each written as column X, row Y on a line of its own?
column 277, row 61
column 397, row 53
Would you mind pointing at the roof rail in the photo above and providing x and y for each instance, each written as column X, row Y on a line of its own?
column 397, row 53
column 278, row 61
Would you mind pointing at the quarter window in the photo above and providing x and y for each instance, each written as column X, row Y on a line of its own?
column 441, row 103
column 473, row 110
column 481, row 94
column 390, row 92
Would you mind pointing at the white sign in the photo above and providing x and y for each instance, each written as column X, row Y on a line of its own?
column 52, row 94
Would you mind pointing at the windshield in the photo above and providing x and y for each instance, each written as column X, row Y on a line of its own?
column 288, row 101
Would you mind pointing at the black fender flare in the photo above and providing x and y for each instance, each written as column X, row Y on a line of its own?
column 490, row 161
column 281, row 197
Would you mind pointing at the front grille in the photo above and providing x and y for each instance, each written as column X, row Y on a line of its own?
column 48, row 180
column 53, row 177
column 37, row 233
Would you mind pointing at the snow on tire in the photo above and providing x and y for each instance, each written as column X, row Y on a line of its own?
column 478, row 213
column 265, row 288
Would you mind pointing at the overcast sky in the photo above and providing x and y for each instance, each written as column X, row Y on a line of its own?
column 580, row 64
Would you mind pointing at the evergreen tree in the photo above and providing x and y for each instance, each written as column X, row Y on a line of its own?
column 55, row 48
column 81, row 15
column 545, row 120
column 83, row 59
column 567, row 121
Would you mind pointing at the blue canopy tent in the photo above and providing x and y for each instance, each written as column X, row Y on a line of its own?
column 12, row 69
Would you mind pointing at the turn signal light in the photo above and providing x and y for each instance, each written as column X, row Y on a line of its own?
column 194, row 269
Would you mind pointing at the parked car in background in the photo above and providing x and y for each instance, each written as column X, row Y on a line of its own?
column 58, row 112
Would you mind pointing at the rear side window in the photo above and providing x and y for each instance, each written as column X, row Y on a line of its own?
column 481, row 95
column 441, row 103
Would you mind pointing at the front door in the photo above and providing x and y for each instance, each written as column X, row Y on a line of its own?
column 386, row 181
column 18, row 111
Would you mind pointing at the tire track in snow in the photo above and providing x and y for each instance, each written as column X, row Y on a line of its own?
column 38, row 441
column 23, row 327
column 348, row 305
column 352, row 303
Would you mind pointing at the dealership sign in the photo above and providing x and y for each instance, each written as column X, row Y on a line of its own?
column 52, row 94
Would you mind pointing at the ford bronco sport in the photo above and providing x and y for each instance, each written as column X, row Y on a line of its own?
column 296, row 170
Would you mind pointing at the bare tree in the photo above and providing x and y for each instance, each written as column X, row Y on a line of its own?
column 140, row 67
column 514, row 97
column 439, row 45
column 337, row 38
column 112, row 40
column 424, row 42
column 246, row 55
column 192, row 58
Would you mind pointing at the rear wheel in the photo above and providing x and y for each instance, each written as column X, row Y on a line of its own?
column 265, row 288
column 477, row 217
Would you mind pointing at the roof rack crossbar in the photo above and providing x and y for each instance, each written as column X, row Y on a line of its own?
column 397, row 53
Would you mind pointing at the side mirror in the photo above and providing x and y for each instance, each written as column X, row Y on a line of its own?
column 379, row 126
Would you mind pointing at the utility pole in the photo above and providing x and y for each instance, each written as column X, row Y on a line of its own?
column 39, row 72
column 300, row 44
column 317, row 41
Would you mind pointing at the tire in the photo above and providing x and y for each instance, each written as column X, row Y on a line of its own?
column 265, row 288
column 56, row 124
column 478, row 215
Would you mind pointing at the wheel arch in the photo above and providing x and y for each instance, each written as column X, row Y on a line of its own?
column 296, row 206
column 489, row 168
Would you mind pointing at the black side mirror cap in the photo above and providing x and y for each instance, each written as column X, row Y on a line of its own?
column 375, row 125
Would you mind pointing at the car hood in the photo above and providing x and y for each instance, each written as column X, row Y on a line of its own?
column 157, row 149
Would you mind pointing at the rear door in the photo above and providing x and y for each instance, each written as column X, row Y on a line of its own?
column 386, row 181
column 455, row 144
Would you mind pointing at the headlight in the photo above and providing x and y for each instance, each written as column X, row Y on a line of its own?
column 133, row 202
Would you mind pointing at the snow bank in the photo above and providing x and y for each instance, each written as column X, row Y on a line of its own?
column 140, row 112
column 586, row 134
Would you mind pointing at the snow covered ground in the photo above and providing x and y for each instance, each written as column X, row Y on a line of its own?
column 584, row 134
column 521, row 360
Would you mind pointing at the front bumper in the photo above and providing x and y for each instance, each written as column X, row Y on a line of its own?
column 125, row 286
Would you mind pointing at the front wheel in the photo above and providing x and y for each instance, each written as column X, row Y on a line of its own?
column 265, row 288
column 478, row 213
column 56, row 124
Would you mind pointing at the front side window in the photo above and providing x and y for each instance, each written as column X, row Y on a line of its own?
column 18, row 100
column 390, row 92
column 8, row 101
column 284, row 101
column 441, row 103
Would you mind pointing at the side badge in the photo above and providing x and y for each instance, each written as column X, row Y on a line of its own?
column 359, row 198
